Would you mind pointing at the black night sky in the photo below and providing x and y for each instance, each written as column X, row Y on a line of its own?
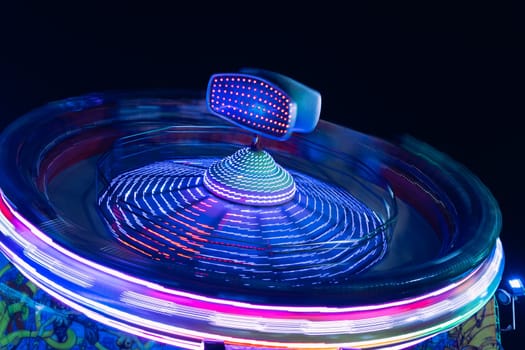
column 450, row 75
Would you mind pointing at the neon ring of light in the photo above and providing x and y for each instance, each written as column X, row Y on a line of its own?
column 399, row 295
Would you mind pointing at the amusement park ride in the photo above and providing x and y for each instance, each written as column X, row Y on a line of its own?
column 236, row 218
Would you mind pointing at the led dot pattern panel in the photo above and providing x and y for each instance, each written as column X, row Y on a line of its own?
column 252, row 103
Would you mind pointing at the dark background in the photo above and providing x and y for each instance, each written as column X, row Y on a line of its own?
column 449, row 75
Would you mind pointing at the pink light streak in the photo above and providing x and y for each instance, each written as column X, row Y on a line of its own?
column 380, row 321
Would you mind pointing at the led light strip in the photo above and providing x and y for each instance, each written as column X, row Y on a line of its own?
column 250, row 177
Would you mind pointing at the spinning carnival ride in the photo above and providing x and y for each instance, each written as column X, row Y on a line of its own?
column 147, row 213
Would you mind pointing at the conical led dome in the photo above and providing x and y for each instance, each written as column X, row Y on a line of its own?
column 250, row 176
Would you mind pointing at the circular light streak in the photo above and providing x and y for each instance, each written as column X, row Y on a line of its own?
column 150, row 310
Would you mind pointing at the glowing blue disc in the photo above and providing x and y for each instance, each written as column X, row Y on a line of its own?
column 323, row 234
